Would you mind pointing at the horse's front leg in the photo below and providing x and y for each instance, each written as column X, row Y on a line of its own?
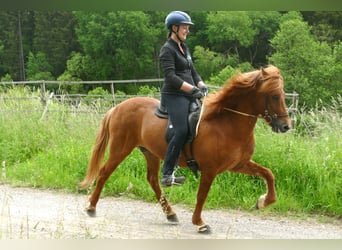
column 203, row 190
column 252, row 168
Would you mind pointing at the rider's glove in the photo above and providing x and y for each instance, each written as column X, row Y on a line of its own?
column 196, row 93
column 204, row 89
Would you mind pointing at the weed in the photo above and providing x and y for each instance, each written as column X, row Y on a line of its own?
column 54, row 153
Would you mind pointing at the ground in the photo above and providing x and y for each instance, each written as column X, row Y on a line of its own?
column 27, row 213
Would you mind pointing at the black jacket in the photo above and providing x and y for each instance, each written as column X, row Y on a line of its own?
column 177, row 68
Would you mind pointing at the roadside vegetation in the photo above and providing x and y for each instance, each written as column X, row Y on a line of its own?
column 124, row 45
column 63, row 53
column 52, row 152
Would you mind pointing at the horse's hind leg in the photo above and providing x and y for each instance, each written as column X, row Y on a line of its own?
column 153, row 166
column 116, row 156
column 252, row 168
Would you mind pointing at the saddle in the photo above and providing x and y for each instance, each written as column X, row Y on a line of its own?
column 193, row 119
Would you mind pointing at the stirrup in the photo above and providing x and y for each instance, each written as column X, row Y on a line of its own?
column 168, row 181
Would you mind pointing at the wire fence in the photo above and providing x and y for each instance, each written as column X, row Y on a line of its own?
column 100, row 103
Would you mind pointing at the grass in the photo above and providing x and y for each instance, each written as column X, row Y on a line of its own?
column 53, row 152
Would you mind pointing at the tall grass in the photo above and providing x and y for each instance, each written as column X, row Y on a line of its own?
column 53, row 152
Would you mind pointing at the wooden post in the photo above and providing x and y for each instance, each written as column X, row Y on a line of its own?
column 46, row 106
column 43, row 93
column 112, row 90
column 294, row 109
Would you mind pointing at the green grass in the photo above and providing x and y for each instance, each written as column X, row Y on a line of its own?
column 53, row 152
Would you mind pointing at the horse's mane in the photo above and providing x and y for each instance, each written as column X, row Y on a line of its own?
column 239, row 86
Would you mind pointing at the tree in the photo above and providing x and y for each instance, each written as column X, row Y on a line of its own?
column 11, row 58
column 54, row 36
column 208, row 63
column 245, row 34
column 120, row 43
column 159, row 32
column 326, row 25
column 305, row 62
column 198, row 32
column 226, row 73
column 1, row 47
column 229, row 30
column 75, row 68
column 265, row 23
column 38, row 67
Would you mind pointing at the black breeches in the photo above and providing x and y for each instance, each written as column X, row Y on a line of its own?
column 178, row 109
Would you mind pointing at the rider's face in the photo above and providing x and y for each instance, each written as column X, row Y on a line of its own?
column 183, row 31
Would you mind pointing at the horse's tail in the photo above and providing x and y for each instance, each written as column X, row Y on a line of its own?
column 98, row 152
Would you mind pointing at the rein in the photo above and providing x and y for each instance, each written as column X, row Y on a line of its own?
column 241, row 113
column 266, row 116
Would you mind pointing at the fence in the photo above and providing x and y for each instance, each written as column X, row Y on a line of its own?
column 47, row 97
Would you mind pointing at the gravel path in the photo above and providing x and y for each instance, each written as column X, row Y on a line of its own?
column 27, row 213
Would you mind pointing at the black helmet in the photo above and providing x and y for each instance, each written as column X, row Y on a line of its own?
column 177, row 18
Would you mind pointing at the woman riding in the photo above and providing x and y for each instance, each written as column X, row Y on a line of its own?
column 182, row 84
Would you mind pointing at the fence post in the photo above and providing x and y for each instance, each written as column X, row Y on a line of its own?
column 43, row 93
column 112, row 90
column 3, row 172
column 295, row 109
column 46, row 106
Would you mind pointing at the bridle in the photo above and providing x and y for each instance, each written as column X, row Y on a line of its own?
column 270, row 117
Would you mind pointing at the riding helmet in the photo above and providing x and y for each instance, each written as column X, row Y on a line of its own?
column 177, row 18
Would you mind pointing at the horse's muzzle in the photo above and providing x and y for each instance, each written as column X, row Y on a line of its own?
column 280, row 126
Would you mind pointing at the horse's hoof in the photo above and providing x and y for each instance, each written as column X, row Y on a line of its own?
column 91, row 211
column 261, row 202
column 205, row 229
column 172, row 218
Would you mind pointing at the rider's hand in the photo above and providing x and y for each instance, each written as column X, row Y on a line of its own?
column 204, row 89
column 196, row 92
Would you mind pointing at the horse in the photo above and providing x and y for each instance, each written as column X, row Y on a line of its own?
column 224, row 141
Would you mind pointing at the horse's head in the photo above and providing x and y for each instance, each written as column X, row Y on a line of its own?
column 273, row 108
column 255, row 94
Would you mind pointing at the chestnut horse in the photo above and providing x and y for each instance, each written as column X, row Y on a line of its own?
column 224, row 142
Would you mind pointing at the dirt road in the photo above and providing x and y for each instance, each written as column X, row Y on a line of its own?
column 40, row 214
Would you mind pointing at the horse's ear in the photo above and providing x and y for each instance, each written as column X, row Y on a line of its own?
column 270, row 75
column 270, row 70
column 263, row 71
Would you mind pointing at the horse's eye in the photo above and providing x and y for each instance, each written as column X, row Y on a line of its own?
column 276, row 98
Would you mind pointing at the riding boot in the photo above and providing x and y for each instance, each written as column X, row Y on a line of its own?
column 169, row 177
column 169, row 180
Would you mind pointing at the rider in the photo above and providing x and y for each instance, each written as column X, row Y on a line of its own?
column 182, row 84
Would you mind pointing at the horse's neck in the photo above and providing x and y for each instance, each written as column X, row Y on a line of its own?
column 239, row 120
column 243, row 124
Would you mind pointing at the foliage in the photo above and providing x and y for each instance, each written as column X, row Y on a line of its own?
column 146, row 90
column 53, row 152
column 107, row 38
column 229, row 31
column 208, row 62
column 54, row 36
column 38, row 67
column 325, row 25
column 6, row 78
column 1, row 47
column 223, row 76
column 308, row 66
column 266, row 23
column 105, row 45
column 75, row 68
column 98, row 91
